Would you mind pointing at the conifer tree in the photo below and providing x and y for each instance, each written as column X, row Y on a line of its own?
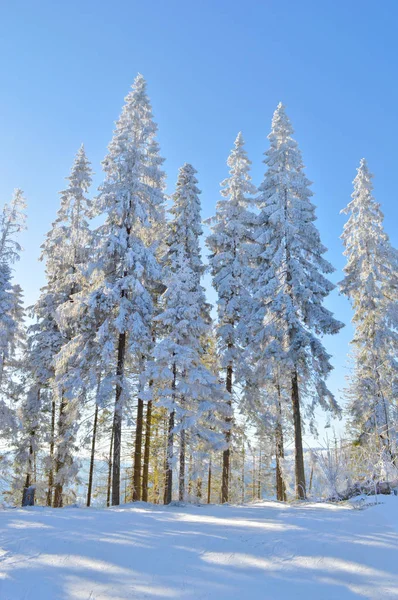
column 12, row 222
column 289, row 285
column 65, row 252
column 371, row 284
column 126, row 271
column 186, row 387
column 186, row 383
column 229, row 262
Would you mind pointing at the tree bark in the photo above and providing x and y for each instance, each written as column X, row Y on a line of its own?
column 209, row 483
column 91, row 472
column 145, row 473
column 181, row 480
column 168, row 490
column 279, row 453
column 226, row 453
column 49, row 499
column 138, row 451
column 58, row 491
column 259, row 477
column 243, row 473
column 109, row 486
column 28, row 496
column 117, row 420
column 298, row 440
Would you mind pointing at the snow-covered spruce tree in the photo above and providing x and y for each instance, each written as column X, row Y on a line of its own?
column 12, row 222
column 127, row 273
column 186, row 387
column 65, row 252
column 289, row 285
column 229, row 262
column 182, row 236
column 371, row 284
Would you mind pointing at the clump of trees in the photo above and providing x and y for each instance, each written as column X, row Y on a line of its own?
column 118, row 379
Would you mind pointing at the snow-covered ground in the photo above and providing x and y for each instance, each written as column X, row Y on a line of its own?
column 267, row 551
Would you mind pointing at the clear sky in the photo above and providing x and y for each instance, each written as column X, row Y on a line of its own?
column 213, row 68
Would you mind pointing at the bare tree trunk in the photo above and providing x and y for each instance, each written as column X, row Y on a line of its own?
column 254, row 477
column 226, row 453
column 181, row 480
column 168, row 490
column 58, row 491
column 259, row 477
column 138, row 451
column 199, row 489
column 169, row 471
column 298, row 441
column 209, row 483
column 28, row 496
column 279, row 453
column 311, row 476
column 109, row 486
column 91, row 472
column 117, row 420
column 145, row 472
column 243, row 473
column 49, row 499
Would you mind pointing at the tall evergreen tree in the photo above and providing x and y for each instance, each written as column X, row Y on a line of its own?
column 186, row 387
column 12, row 222
column 229, row 262
column 371, row 284
column 126, row 272
column 65, row 252
column 183, row 324
column 289, row 285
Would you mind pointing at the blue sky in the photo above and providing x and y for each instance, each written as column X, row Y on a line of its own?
column 213, row 68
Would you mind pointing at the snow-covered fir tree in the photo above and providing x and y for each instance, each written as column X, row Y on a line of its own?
column 12, row 222
column 184, row 229
column 65, row 252
column 289, row 286
column 189, row 390
column 126, row 273
column 229, row 262
column 186, row 387
column 371, row 284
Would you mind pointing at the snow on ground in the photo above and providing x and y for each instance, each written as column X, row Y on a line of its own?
column 266, row 551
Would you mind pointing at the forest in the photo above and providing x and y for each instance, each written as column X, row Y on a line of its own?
column 122, row 383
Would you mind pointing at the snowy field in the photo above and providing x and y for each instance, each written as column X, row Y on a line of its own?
column 267, row 551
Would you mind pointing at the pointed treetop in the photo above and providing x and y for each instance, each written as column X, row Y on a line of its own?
column 187, row 168
column 239, row 142
column 12, row 222
column 281, row 122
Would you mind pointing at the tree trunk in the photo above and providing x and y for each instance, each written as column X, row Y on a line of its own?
column 168, row 490
column 91, row 473
column 259, row 477
column 298, row 441
column 49, row 499
column 181, row 481
column 28, row 494
column 254, row 476
column 209, row 483
column 138, row 451
column 243, row 473
column 117, row 420
column 59, row 463
column 226, row 453
column 279, row 453
column 199, row 489
column 145, row 473
column 109, row 486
